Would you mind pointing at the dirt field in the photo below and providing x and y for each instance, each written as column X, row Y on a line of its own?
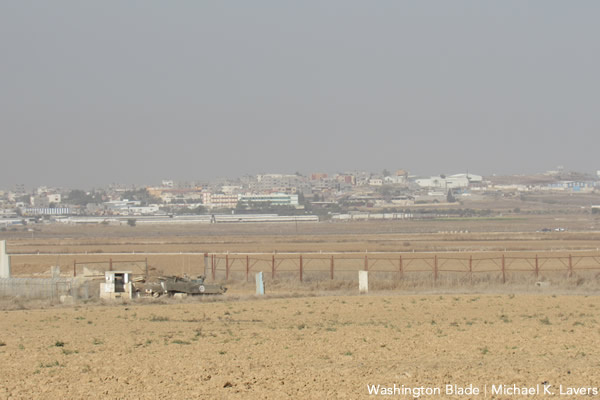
column 305, row 340
column 63, row 245
column 306, row 347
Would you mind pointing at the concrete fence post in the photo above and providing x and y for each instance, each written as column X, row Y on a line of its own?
column 363, row 282
column 260, row 284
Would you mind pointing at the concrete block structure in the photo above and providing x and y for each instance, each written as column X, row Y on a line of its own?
column 4, row 261
column 116, row 285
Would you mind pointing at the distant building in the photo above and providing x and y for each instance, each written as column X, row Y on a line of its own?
column 231, row 189
column 54, row 198
column 433, row 182
column 273, row 199
column 572, row 186
column 37, row 211
column 472, row 178
column 151, row 209
column 19, row 189
column 346, row 178
column 395, row 180
column 449, row 182
column 279, row 183
column 318, row 176
column 127, row 207
column 169, row 195
column 217, row 200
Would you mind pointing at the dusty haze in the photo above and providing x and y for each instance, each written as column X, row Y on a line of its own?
column 135, row 92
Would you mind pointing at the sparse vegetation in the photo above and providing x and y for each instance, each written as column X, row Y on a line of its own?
column 159, row 318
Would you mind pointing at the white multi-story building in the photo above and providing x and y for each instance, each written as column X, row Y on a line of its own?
column 449, row 182
column 54, row 198
column 220, row 200
column 395, row 180
column 273, row 183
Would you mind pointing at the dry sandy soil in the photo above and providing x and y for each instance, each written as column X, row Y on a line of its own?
column 303, row 347
column 327, row 346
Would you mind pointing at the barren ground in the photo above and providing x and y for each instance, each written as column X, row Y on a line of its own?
column 307, row 347
column 306, row 340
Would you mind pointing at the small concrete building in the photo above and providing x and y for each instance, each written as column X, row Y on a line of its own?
column 116, row 285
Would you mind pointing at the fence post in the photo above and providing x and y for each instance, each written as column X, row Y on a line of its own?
column 205, row 264
column 260, row 284
column 213, row 267
column 247, row 267
column 570, row 266
column 226, row 267
column 273, row 267
column 435, row 268
column 110, row 264
column 301, row 268
column 366, row 267
column 537, row 268
column 363, row 282
column 503, row 270
column 471, row 269
column 331, row 267
column 146, row 261
column 74, row 268
column 401, row 267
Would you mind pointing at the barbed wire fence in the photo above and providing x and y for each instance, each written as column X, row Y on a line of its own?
column 435, row 268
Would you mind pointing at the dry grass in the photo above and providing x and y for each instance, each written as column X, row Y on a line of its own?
column 93, row 243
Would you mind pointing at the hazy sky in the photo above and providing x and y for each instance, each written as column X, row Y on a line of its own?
column 94, row 92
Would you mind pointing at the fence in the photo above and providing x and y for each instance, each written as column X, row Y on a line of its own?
column 419, row 268
column 51, row 288
column 99, row 267
column 95, row 264
column 435, row 268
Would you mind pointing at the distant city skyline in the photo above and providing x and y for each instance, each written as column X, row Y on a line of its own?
column 160, row 181
column 133, row 93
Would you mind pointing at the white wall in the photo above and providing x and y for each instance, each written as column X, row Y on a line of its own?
column 4, row 261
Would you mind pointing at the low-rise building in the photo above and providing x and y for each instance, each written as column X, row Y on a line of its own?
column 39, row 211
column 54, row 198
column 449, row 182
column 273, row 199
column 220, row 200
